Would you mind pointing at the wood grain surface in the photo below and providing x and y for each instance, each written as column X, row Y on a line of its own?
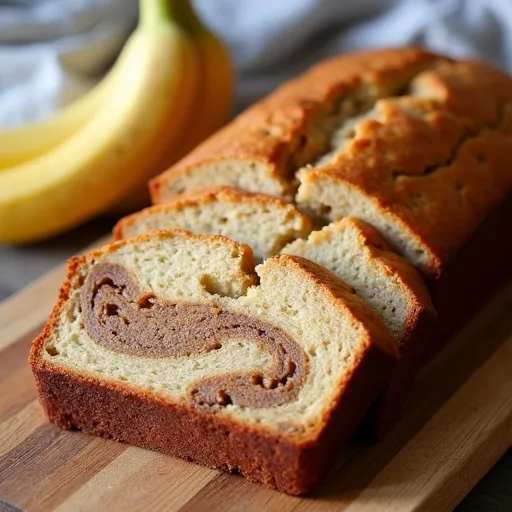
column 457, row 425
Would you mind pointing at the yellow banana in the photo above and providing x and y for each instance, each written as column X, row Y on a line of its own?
column 211, row 109
column 215, row 92
column 17, row 145
column 102, row 161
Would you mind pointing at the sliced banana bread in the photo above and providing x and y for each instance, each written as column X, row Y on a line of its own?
column 265, row 223
column 351, row 249
column 413, row 143
column 167, row 341
column 358, row 254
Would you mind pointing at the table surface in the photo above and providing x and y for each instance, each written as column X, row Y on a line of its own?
column 21, row 265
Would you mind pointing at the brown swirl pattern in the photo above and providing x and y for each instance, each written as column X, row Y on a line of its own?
column 122, row 318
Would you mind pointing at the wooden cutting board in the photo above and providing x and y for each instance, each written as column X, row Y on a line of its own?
column 457, row 425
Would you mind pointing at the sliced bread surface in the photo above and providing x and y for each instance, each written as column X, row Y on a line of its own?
column 265, row 223
column 167, row 341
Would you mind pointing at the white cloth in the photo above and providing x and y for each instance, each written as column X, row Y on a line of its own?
column 51, row 51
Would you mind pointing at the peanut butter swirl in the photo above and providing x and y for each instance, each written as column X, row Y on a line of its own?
column 122, row 318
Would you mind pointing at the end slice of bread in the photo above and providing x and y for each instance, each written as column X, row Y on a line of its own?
column 356, row 253
column 167, row 341
column 264, row 222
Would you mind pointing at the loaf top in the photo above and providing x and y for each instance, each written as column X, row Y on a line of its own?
column 292, row 126
column 426, row 168
column 265, row 127
column 264, row 222
column 413, row 143
column 176, row 317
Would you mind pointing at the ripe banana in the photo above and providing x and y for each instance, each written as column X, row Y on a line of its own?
column 212, row 106
column 100, row 162
column 29, row 141
column 215, row 92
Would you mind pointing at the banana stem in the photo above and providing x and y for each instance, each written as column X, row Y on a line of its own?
column 187, row 17
column 160, row 12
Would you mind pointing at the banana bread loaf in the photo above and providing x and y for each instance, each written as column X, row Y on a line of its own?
column 415, row 144
column 167, row 341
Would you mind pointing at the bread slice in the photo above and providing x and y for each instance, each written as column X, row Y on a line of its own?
column 167, row 341
column 356, row 253
column 262, row 148
column 264, row 222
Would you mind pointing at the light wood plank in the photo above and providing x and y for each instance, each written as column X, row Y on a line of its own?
column 140, row 480
column 52, row 489
column 463, row 440
column 453, row 451
column 17, row 428
column 16, row 392
column 33, row 462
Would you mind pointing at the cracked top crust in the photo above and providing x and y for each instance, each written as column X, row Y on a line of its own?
column 424, row 169
column 413, row 143
column 292, row 126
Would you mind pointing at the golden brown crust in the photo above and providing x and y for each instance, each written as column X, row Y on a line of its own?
column 434, row 165
column 204, row 196
column 281, row 132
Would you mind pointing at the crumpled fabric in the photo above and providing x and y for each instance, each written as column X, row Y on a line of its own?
column 52, row 51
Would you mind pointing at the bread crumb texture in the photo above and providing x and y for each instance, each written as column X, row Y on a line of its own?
column 331, row 325
column 265, row 223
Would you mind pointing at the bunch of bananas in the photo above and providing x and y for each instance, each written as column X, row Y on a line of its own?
column 169, row 89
